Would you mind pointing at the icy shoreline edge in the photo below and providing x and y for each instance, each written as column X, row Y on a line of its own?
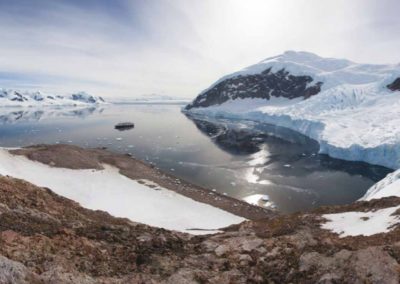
column 387, row 155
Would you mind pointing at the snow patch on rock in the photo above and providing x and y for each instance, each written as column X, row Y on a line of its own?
column 362, row 223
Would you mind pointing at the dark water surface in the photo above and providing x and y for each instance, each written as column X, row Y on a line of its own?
column 237, row 158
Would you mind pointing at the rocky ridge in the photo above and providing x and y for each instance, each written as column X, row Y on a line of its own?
column 266, row 85
column 45, row 238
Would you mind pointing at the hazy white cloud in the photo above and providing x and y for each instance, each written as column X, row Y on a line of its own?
column 179, row 47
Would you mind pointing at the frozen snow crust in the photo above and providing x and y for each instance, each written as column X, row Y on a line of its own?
column 354, row 116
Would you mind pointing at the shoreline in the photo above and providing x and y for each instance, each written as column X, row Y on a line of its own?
column 74, row 157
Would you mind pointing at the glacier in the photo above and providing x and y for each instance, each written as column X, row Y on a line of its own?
column 355, row 115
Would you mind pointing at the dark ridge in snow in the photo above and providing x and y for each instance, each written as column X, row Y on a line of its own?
column 395, row 86
column 265, row 85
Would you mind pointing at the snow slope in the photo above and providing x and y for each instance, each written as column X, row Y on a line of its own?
column 354, row 117
column 389, row 186
column 29, row 99
column 120, row 196
column 332, row 72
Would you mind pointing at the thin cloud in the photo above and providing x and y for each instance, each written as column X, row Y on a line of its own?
column 130, row 48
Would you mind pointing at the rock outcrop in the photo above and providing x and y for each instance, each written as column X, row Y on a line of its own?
column 395, row 86
column 266, row 85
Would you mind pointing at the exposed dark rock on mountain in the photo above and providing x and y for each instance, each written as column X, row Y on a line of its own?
column 264, row 86
column 395, row 86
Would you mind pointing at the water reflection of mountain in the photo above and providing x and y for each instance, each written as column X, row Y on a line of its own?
column 245, row 138
column 239, row 138
column 18, row 115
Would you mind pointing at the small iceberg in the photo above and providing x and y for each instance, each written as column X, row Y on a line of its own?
column 258, row 199
column 122, row 126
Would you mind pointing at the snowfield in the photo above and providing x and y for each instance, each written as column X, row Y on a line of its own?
column 354, row 117
column 120, row 196
column 15, row 98
column 362, row 223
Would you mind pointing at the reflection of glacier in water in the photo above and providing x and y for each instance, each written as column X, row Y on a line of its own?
column 23, row 114
column 238, row 158
column 277, row 158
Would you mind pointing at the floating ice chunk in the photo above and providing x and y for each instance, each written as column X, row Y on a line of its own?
column 255, row 199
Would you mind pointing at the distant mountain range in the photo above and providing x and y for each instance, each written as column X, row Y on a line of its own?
column 10, row 97
column 151, row 99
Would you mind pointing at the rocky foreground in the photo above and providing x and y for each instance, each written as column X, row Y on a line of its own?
column 45, row 238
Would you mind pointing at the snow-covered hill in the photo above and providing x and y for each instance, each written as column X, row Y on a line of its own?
column 25, row 98
column 351, row 109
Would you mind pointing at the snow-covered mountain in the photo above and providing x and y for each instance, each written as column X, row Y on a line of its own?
column 351, row 109
column 26, row 98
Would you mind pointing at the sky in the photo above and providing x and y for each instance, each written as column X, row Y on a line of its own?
column 133, row 48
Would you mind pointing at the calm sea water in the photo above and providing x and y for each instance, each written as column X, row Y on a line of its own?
column 240, row 159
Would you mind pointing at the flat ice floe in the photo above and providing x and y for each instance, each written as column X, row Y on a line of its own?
column 362, row 223
column 120, row 196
